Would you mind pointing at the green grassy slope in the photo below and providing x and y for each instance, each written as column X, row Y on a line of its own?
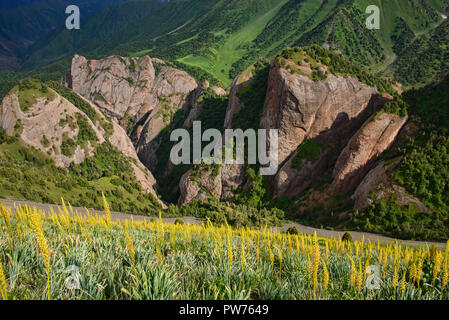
column 233, row 47
column 28, row 174
column 218, row 39
column 96, row 32
column 274, row 25
column 25, row 28
column 424, row 60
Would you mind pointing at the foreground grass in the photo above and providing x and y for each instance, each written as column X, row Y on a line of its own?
column 70, row 256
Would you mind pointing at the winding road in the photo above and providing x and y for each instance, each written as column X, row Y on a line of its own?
column 192, row 220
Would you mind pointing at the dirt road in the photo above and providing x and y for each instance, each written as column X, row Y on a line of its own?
column 192, row 220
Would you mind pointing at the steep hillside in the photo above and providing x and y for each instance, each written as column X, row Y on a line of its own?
column 425, row 60
column 25, row 26
column 50, row 127
column 217, row 39
column 274, row 25
column 408, row 189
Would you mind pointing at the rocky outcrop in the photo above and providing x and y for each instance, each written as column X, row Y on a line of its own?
column 373, row 138
column 291, row 181
column 378, row 184
column 196, row 106
column 233, row 176
column 131, row 91
column 328, row 112
column 129, row 88
column 49, row 123
column 372, row 180
column 197, row 184
column 300, row 107
column 119, row 85
column 234, row 104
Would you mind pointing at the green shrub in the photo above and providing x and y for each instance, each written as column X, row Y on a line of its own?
column 68, row 146
column 308, row 150
column 179, row 221
column 347, row 237
column 292, row 230
column 29, row 90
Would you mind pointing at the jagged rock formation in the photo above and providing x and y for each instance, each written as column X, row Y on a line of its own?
column 47, row 124
column 197, row 184
column 129, row 88
column 300, row 107
column 56, row 127
column 142, row 98
column 375, row 136
column 337, row 115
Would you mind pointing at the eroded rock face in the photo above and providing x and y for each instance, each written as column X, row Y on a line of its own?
column 46, row 124
column 378, row 184
column 328, row 112
column 373, row 138
column 129, row 88
column 156, row 120
column 119, row 85
column 290, row 182
column 300, row 107
column 196, row 106
column 197, row 185
column 233, row 176
column 371, row 181
column 234, row 104
column 130, row 91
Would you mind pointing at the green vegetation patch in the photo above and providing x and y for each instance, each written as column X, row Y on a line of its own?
column 309, row 151
column 68, row 146
column 30, row 90
column 29, row 174
column 75, row 99
column 396, row 106
column 423, row 171
column 337, row 64
column 44, row 141
column 85, row 133
column 238, row 215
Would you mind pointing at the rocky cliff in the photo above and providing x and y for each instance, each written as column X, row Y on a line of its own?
column 47, row 121
column 127, row 87
column 330, row 130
